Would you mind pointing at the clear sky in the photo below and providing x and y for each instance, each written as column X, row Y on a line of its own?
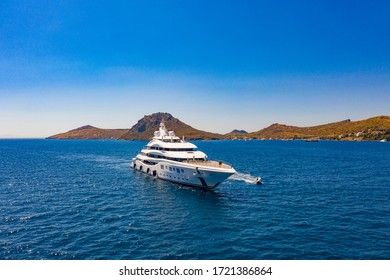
column 216, row 65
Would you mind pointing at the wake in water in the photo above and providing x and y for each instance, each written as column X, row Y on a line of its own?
column 112, row 162
column 246, row 178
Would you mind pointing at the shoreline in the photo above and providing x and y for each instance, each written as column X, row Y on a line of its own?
column 241, row 139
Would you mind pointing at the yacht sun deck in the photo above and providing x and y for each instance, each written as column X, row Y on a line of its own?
column 209, row 163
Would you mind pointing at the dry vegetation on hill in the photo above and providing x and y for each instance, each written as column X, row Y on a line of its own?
column 371, row 129
column 90, row 132
column 375, row 128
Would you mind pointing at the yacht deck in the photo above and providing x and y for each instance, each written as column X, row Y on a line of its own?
column 209, row 163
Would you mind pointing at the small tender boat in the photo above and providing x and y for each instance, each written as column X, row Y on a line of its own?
column 257, row 181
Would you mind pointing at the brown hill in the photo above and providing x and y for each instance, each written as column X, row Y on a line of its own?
column 145, row 128
column 371, row 129
column 235, row 132
column 90, row 132
column 142, row 130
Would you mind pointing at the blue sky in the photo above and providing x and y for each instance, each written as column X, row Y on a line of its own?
column 216, row 65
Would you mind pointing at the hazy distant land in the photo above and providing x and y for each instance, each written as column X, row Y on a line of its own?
column 376, row 128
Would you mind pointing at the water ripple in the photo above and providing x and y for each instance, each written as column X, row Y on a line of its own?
column 80, row 200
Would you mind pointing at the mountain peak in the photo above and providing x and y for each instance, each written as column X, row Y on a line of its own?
column 151, row 123
column 84, row 127
column 145, row 128
column 160, row 115
column 237, row 131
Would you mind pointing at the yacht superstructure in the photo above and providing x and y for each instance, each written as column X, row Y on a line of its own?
column 170, row 158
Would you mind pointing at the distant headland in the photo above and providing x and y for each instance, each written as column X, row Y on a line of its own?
column 376, row 128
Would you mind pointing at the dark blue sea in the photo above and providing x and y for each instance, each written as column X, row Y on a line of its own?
column 73, row 199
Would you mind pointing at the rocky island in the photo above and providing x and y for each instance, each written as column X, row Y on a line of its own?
column 142, row 130
column 376, row 128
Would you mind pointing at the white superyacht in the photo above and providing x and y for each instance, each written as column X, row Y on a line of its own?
column 170, row 158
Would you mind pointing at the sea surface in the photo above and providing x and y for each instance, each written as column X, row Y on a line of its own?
column 75, row 199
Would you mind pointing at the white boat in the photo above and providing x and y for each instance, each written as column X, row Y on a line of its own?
column 170, row 158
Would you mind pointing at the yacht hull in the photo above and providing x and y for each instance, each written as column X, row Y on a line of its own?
column 183, row 173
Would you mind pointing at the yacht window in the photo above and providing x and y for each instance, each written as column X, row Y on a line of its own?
column 162, row 166
column 170, row 168
column 178, row 149
column 178, row 170
column 182, row 171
